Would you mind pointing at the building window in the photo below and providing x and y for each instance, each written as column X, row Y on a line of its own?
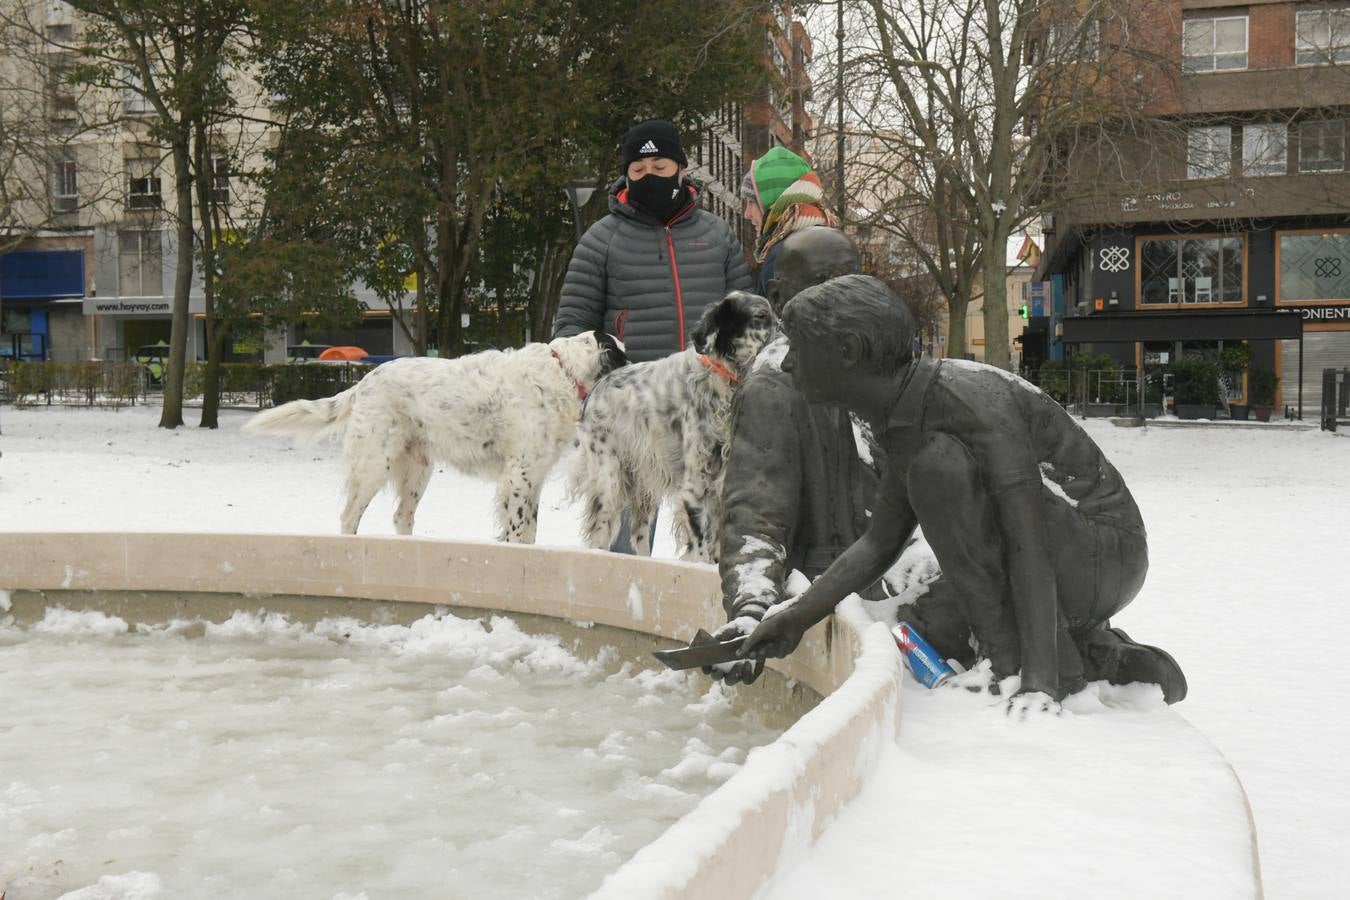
column 134, row 102
column 780, row 62
column 60, row 92
column 1190, row 270
column 143, row 190
column 140, row 269
column 1322, row 36
column 1075, row 40
column 65, row 184
column 1315, row 267
column 1264, row 149
column 1214, row 45
column 1321, row 146
column 1209, row 152
column 220, row 180
column 60, row 22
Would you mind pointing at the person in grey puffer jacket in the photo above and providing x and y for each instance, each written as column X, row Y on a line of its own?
column 645, row 272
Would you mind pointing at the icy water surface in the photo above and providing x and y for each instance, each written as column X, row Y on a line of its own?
column 266, row 759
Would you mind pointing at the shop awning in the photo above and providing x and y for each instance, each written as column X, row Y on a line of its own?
column 1190, row 325
column 41, row 274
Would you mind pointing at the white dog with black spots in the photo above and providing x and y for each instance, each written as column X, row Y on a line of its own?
column 659, row 429
column 501, row 415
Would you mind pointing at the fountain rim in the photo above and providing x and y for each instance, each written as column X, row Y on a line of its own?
column 733, row 841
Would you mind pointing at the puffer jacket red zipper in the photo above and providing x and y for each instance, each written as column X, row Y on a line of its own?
column 675, row 271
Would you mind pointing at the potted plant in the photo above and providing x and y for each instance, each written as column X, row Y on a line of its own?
column 1234, row 359
column 1263, row 385
column 1196, row 386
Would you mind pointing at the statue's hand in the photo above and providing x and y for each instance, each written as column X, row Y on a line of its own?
column 742, row 671
column 777, row 635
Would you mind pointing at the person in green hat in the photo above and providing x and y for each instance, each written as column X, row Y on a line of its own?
column 782, row 195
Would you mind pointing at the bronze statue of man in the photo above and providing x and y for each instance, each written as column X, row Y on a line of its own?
column 794, row 489
column 1037, row 536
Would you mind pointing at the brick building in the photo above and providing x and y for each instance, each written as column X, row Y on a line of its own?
column 1247, row 208
column 741, row 131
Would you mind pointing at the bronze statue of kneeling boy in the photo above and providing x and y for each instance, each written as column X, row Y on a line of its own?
column 1037, row 536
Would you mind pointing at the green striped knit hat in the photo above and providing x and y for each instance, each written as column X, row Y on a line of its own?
column 775, row 172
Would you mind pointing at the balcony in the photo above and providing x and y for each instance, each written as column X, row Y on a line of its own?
column 145, row 201
column 1253, row 90
column 1273, row 196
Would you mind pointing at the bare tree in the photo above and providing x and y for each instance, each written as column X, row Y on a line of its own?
column 171, row 57
column 907, row 275
column 992, row 111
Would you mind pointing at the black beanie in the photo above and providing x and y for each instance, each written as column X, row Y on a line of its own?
column 654, row 137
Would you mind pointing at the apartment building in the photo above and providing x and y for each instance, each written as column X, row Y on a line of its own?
column 1247, row 209
column 742, row 130
column 92, row 273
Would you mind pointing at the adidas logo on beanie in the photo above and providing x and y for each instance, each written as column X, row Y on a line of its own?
column 654, row 137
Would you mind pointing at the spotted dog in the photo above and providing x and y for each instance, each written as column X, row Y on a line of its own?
column 658, row 429
column 501, row 415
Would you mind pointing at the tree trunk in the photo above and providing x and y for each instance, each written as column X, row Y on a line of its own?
column 995, row 278
column 956, row 328
column 172, row 416
column 449, row 331
column 215, row 335
column 503, row 339
column 216, row 342
column 546, row 287
column 420, row 306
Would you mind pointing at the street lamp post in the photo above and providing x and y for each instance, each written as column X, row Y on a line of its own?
column 579, row 192
column 839, row 99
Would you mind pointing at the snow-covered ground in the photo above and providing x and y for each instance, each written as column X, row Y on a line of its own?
column 1248, row 588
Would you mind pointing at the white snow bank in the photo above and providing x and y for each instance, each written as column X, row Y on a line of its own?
column 1117, row 797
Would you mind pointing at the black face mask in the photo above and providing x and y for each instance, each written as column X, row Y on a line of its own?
column 660, row 196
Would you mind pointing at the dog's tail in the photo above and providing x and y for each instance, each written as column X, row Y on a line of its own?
column 309, row 419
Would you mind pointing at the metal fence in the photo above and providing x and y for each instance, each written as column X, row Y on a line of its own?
column 24, row 383
column 1104, row 392
column 116, row 384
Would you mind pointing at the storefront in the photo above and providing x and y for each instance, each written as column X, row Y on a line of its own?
column 132, row 306
column 40, row 317
column 1314, row 278
column 1160, row 269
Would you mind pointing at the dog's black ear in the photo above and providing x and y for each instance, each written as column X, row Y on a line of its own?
column 612, row 352
column 709, row 324
column 732, row 320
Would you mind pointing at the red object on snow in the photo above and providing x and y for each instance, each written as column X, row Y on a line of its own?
column 350, row 354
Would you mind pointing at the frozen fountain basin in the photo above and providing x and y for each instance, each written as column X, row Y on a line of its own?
column 729, row 843
column 248, row 754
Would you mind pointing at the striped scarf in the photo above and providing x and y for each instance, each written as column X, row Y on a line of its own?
column 796, row 208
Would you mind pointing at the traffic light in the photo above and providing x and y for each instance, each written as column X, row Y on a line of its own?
column 1022, row 310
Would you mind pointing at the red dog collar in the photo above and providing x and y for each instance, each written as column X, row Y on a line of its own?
column 719, row 368
column 581, row 391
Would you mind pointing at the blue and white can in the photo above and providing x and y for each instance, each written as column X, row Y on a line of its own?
column 928, row 667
